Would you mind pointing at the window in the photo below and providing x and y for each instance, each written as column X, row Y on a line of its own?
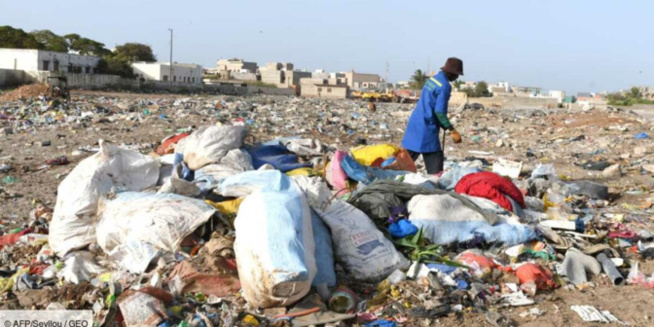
column 88, row 69
column 46, row 64
column 174, row 78
column 193, row 80
column 329, row 90
column 165, row 77
column 56, row 66
column 320, row 89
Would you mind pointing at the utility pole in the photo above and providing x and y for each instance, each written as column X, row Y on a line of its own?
column 387, row 69
column 170, row 70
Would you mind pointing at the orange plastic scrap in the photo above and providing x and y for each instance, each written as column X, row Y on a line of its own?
column 541, row 276
column 478, row 261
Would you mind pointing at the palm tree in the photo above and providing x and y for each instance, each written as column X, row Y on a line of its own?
column 418, row 79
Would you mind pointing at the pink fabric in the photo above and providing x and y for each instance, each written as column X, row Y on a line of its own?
column 339, row 178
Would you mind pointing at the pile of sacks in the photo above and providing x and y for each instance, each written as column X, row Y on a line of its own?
column 302, row 216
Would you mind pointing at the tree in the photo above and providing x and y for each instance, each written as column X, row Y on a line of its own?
column 85, row 46
column 481, row 89
column 115, row 65
column 457, row 84
column 50, row 41
column 16, row 38
column 418, row 79
column 635, row 93
column 135, row 52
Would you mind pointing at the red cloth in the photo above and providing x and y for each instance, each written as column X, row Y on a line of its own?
column 490, row 186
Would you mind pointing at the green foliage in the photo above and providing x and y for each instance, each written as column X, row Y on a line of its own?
column 417, row 249
column 633, row 96
column 50, row 41
column 458, row 83
column 135, row 52
column 115, row 65
column 85, row 46
column 481, row 90
column 17, row 39
column 418, row 79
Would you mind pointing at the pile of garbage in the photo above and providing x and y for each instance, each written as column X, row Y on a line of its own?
column 214, row 228
column 25, row 92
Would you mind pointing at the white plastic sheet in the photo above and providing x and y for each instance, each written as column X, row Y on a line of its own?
column 111, row 169
column 209, row 144
column 133, row 221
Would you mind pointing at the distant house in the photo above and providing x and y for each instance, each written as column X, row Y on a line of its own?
column 359, row 81
column 41, row 60
column 236, row 65
column 161, row 71
column 584, row 97
column 558, row 95
column 323, row 88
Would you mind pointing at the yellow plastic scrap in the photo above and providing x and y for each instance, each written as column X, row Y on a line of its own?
column 250, row 320
column 7, row 283
column 226, row 207
column 304, row 171
column 368, row 154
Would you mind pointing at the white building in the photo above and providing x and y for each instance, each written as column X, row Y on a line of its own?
column 558, row 95
column 160, row 71
column 32, row 60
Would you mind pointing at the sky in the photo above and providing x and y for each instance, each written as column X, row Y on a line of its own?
column 576, row 46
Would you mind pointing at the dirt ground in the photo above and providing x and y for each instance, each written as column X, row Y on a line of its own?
column 539, row 134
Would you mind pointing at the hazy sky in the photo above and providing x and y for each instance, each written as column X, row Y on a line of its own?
column 570, row 45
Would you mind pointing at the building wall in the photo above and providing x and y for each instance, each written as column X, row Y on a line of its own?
column 19, row 59
column 508, row 102
column 271, row 76
column 323, row 91
column 182, row 73
column 236, row 65
column 294, row 77
column 30, row 60
column 148, row 71
column 362, row 81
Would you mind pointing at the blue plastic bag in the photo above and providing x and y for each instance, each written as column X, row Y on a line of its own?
column 324, row 252
column 365, row 174
column 402, row 228
column 641, row 136
column 276, row 155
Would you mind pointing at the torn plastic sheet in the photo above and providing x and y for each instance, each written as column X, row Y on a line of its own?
column 591, row 314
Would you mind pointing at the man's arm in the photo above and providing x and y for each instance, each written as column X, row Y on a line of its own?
column 442, row 102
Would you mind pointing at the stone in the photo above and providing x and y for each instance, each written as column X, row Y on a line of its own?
column 499, row 143
column 648, row 168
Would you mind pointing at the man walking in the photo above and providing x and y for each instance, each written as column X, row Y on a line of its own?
column 430, row 115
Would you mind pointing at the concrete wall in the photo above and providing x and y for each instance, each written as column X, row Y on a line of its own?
column 508, row 102
column 11, row 77
column 159, row 71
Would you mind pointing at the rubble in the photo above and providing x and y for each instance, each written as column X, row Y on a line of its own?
column 212, row 210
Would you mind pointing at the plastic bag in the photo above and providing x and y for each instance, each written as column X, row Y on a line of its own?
column 133, row 221
column 274, row 240
column 368, row 155
column 209, row 144
column 334, row 174
column 111, row 169
column 359, row 245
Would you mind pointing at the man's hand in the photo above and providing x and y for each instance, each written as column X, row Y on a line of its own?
column 455, row 136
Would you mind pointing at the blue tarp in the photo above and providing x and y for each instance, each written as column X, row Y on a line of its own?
column 324, row 252
column 365, row 174
column 276, row 155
